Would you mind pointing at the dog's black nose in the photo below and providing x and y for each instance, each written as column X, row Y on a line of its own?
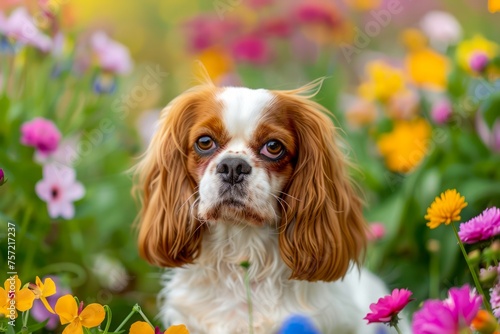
column 233, row 170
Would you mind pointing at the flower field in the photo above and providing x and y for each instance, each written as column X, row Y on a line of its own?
column 413, row 85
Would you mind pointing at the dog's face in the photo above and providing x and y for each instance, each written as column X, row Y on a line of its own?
column 241, row 158
column 256, row 157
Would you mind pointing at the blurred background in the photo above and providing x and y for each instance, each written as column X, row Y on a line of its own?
column 414, row 86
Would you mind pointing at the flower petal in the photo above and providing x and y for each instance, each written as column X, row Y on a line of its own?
column 24, row 299
column 92, row 315
column 47, row 305
column 74, row 192
column 141, row 327
column 66, row 309
column 74, row 328
column 55, row 209
column 43, row 190
column 177, row 329
column 49, row 287
column 67, row 210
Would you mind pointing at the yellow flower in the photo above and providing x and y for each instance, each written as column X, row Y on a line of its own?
column 494, row 6
column 78, row 317
column 406, row 145
column 363, row 4
column 10, row 300
column 427, row 69
column 44, row 290
column 477, row 44
column 414, row 40
column 217, row 62
column 384, row 81
column 141, row 327
column 445, row 208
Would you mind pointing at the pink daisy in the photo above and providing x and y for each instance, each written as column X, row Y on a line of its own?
column 59, row 189
column 41, row 134
column 482, row 227
column 387, row 308
column 449, row 316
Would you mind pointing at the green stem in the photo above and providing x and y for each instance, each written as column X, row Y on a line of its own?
column 143, row 315
column 126, row 319
column 25, row 318
column 434, row 276
column 397, row 328
column 249, row 301
column 108, row 311
column 25, row 223
column 472, row 271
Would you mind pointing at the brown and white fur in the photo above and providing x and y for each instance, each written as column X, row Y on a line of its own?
column 294, row 216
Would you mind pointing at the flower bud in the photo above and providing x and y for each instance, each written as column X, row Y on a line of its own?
column 474, row 257
column 488, row 276
column 479, row 62
column 433, row 246
column 441, row 111
column 2, row 177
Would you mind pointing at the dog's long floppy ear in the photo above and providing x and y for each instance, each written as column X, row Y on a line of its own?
column 322, row 228
column 169, row 233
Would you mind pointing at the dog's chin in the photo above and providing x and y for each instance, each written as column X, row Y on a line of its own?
column 234, row 211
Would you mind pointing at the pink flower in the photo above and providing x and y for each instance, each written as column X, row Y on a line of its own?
column 59, row 189
column 276, row 27
column 482, row 227
column 112, row 56
column 442, row 28
column 251, row 49
column 479, row 61
column 206, row 31
column 490, row 137
column 386, row 310
column 2, row 177
column 495, row 300
column 20, row 26
column 449, row 316
column 42, row 134
column 441, row 111
column 377, row 231
column 317, row 13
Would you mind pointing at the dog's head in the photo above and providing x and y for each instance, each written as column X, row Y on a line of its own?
column 257, row 157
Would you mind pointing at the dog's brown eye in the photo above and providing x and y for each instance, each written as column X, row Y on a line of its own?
column 205, row 144
column 273, row 149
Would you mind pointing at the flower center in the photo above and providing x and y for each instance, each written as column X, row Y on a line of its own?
column 54, row 192
column 157, row 330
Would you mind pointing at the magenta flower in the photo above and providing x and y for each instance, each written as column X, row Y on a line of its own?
column 449, row 316
column 482, row 227
column 387, row 308
column 251, row 49
column 317, row 13
column 112, row 56
column 20, row 26
column 441, row 111
column 59, row 189
column 41, row 134
column 2, row 177
column 479, row 61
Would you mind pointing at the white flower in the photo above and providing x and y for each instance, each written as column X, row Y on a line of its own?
column 442, row 28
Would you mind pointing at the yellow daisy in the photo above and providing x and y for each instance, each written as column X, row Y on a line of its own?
column 445, row 208
column 406, row 145
column 427, row 68
column 383, row 82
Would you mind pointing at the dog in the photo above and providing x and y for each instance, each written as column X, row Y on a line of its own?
column 247, row 191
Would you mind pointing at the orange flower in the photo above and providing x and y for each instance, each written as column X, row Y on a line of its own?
column 141, row 327
column 494, row 6
column 77, row 316
column 23, row 298
column 44, row 290
column 485, row 323
column 445, row 208
column 427, row 69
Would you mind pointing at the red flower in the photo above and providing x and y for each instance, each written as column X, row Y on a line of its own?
column 387, row 308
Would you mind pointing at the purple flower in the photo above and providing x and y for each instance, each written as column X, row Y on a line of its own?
column 441, row 111
column 41, row 134
column 40, row 312
column 449, row 316
column 296, row 324
column 386, row 310
column 481, row 227
column 112, row 56
column 479, row 61
column 59, row 189
column 491, row 137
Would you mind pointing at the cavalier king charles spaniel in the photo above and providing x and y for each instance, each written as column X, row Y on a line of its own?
column 237, row 175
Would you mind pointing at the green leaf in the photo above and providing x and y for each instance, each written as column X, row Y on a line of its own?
column 35, row 327
column 491, row 109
